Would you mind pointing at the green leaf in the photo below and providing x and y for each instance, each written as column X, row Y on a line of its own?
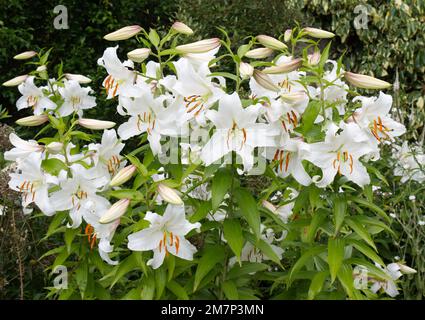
column 148, row 287
column 367, row 251
column 233, row 234
column 324, row 55
column 127, row 193
column 339, row 210
column 224, row 74
column 249, row 210
column 310, row 114
column 361, row 231
column 220, row 185
column 335, row 255
column 212, row 255
column 69, row 237
column 81, row 275
column 345, row 277
column 230, row 290
column 53, row 166
column 306, row 256
column 316, row 222
column 132, row 262
column 246, row 268
column 243, row 49
column 154, row 37
column 140, row 166
column 178, row 290
column 202, row 211
column 160, row 281
column 371, row 206
column 316, row 284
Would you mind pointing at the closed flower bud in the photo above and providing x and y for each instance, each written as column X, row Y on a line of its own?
column 293, row 97
column 245, row 70
column 33, row 121
column 123, row 176
column 365, row 82
column 259, row 53
column 123, row 33
column 25, row 55
column 54, row 147
column 15, row 81
column 405, row 269
column 180, row 27
column 199, row 46
column 139, row 55
column 117, row 210
column 41, row 69
column 284, row 67
column 318, row 33
column 271, row 42
column 168, row 194
column 265, row 81
column 268, row 206
column 95, row 124
column 314, row 59
column 77, row 77
column 287, row 35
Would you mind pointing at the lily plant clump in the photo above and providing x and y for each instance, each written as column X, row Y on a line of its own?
column 249, row 184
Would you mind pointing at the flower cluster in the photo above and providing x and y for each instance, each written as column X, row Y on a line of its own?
column 296, row 115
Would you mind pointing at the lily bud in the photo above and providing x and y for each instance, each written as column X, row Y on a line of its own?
column 259, row 53
column 139, row 55
column 123, row 176
column 199, row 46
column 117, row 210
column 77, row 77
column 365, row 82
column 271, row 42
column 41, row 69
column 169, row 194
column 54, row 147
column 33, row 121
column 284, row 67
column 25, row 55
column 318, row 33
column 15, row 81
column 405, row 269
column 123, row 33
column 265, row 81
column 95, row 124
column 180, row 27
column 314, row 59
column 293, row 97
column 246, row 70
column 287, row 35
column 268, row 206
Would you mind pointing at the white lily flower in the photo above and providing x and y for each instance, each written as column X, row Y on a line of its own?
column 289, row 155
column 33, row 97
column 33, row 183
column 22, row 148
column 121, row 80
column 165, row 235
column 410, row 162
column 236, row 130
column 106, row 155
column 253, row 254
column 102, row 232
column 374, row 118
column 340, row 153
column 389, row 286
column 32, row 121
column 147, row 114
column 76, row 98
column 78, row 194
column 198, row 90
